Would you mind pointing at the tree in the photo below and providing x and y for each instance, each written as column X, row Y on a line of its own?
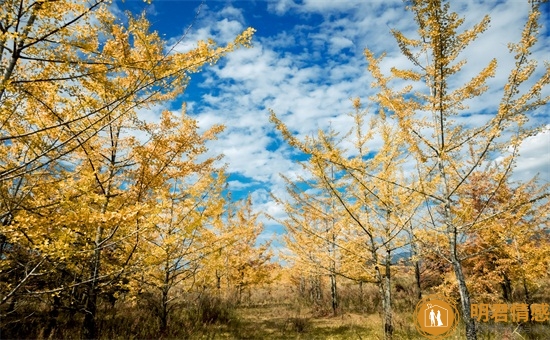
column 184, row 195
column 512, row 235
column 239, row 262
column 448, row 152
column 76, row 184
column 371, row 192
column 314, row 228
column 71, row 70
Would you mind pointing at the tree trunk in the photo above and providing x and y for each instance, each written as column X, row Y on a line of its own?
column 469, row 322
column 417, row 279
column 414, row 254
column 361, row 295
column 334, row 294
column 506, row 285
column 384, row 286
column 52, row 323
column 218, row 282
column 164, row 311
column 471, row 332
column 303, row 288
column 388, row 322
column 164, row 299
column 315, row 293
column 452, row 235
column 528, row 324
column 89, row 326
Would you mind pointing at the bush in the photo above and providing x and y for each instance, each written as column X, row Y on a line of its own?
column 211, row 310
column 298, row 324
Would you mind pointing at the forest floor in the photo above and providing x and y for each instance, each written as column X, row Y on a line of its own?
column 283, row 322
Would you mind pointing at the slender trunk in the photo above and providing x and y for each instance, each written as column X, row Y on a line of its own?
column 52, row 323
column 388, row 329
column 452, row 235
column 164, row 311
column 333, row 284
column 527, row 295
column 418, row 280
column 302, row 288
column 414, row 254
column 361, row 295
column 334, row 294
column 318, row 289
column 89, row 325
column 506, row 285
column 316, row 295
column 469, row 322
column 471, row 332
column 388, row 322
column 240, row 288
column 528, row 325
column 164, row 298
column 384, row 287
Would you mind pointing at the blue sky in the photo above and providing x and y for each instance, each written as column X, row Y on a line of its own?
column 307, row 61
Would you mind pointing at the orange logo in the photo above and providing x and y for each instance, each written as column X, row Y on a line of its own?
column 436, row 317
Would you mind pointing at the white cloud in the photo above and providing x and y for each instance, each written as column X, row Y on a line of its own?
column 222, row 26
column 280, row 7
column 339, row 43
column 232, row 12
column 534, row 158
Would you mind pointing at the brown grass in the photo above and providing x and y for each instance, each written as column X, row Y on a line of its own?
column 267, row 314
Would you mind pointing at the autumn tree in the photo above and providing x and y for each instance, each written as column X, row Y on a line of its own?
column 314, row 230
column 79, row 169
column 511, row 235
column 447, row 152
column 180, row 194
column 240, row 261
column 370, row 191
column 108, row 206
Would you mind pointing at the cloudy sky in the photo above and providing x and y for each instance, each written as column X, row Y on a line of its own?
column 306, row 64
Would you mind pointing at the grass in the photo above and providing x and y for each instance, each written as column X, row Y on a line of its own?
column 284, row 322
column 212, row 319
column 265, row 316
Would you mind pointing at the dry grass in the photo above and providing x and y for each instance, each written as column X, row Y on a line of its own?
column 269, row 314
column 287, row 322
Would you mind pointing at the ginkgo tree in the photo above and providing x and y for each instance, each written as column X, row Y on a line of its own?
column 107, row 207
column 448, row 151
column 71, row 68
column 444, row 152
column 80, row 171
column 314, row 226
column 178, row 242
column 512, row 234
column 372, row 198
column 239, row 262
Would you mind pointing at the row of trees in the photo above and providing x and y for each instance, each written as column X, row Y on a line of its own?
column 437, row 188
column 97, row 202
